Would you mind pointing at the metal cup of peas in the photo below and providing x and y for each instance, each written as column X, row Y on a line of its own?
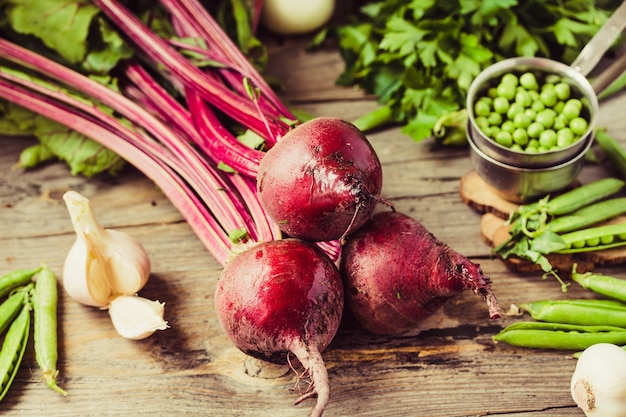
column 530, row 123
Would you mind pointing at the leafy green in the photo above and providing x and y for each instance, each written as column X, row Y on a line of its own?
column 84, row 156
column 419, row 57
column 62, row 26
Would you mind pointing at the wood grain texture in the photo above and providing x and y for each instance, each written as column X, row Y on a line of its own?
column 449, row 367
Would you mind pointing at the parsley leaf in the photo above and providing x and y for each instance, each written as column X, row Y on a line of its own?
column 419, row 57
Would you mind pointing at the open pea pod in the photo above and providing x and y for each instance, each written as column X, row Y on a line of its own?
column 594, row 238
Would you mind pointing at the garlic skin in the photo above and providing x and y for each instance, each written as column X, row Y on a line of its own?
column 102, row 263
column 598, row 384
column 136, row 317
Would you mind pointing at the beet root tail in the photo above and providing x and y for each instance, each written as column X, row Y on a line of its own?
column 473, row 279
column 311, row 359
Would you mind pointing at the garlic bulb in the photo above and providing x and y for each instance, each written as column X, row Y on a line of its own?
column 102, row 263
column 599, row 382
column 136, row 317
column 106, row 268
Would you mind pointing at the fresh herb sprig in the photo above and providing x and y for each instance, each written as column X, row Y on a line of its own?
column 419, row 57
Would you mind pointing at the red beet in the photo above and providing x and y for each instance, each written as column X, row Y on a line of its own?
column 396, row 273
column 321, row 181
column 279, row 297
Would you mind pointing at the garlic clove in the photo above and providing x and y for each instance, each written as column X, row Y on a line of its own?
column 598, row 385
column 83, row 276
column 136, row 317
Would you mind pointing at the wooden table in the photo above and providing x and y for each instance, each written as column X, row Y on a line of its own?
column 448, row 367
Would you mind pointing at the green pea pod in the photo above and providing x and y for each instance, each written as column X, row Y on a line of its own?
column 14, row 279
column 45, row 327
column 594, row 238
column 539, row 335
column 13, row 348
column 584, row 195
column 588, row 216
column 580, row 312
column 11, row 307
column 608, row 286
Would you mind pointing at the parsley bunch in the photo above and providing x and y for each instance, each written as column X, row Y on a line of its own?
column 419, row 57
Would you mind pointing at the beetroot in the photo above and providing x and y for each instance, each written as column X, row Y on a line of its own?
column 396, row 273
column 279, row 297
column 321, row 181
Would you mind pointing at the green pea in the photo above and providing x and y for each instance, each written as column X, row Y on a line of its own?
column 523, row 97
column 558, row 107
column 548, row 97
column 501, row 104
column 486, row 131
column 547, row 138
column 593, row 241
column 546, row 117
column 528, row 81
column 535, row 129
column 517, row 148
column 563, row 140
column 492, row 92
column 481, row 122
column 538, row 105
column 578, row 125
column 564, row 137
column 514, row 109
column 560, row 122
column 482, row 108
column 495, row 119
column 520, row 136
column 552, row 79
column 522, row 120
column 570, row 110
column 575, row 102
column 507, row 126
column 579, row 244
column 504, row 138
column 509, row 78
column 506, row 90
column 531, row 149
column 530, row 113
column 607, row 240
column 562, row 90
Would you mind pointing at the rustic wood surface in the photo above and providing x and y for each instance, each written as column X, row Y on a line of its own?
column 449, row 367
